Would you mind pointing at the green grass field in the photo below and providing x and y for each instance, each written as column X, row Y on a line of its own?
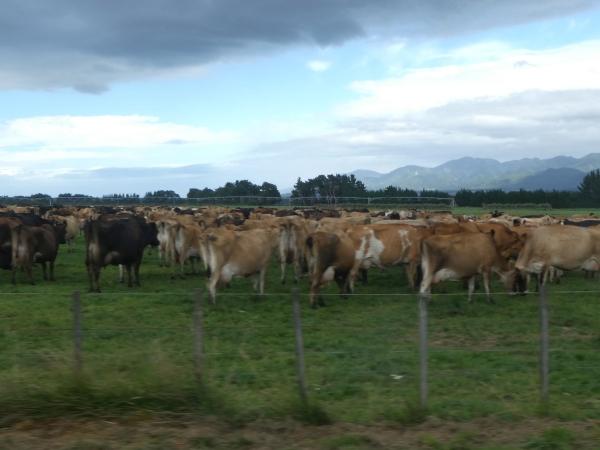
column 361, row 355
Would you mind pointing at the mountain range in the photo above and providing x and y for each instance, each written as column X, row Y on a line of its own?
column 560, row 173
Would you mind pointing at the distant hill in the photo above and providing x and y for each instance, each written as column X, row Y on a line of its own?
column 564, row 179
column 561, row 172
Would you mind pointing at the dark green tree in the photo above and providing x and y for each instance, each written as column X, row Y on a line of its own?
column 162, row 194
column 590, row 187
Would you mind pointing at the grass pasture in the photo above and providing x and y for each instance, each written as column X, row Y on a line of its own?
column 361, row 354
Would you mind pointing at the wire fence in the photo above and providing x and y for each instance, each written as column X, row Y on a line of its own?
column 308, row 351
column 238, row 200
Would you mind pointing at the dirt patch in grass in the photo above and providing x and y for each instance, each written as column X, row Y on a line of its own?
column 139, row 432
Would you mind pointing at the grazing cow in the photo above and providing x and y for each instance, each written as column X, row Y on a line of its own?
column 507, row 241
column 331, row 256
column 386, row 245
column 22, row 245
column 72, row 229
column 239, row 253
column 292, row 244
column 563, row 247
column 6, row 225
column 164, row 235
column 113, row 240
column 31, row 245
column 188, row 244
column 463, row 256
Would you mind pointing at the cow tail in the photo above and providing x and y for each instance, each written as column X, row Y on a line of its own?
column 309, row 242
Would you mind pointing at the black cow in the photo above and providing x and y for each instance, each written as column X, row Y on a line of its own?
column 5, row 242
column 117, row 241
column 582, row 223
column 34, row 220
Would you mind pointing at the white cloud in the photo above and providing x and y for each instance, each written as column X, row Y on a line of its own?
column 61, row 133
column 472, row 73
column 318, row 65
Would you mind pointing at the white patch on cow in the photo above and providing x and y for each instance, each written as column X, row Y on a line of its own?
column 212, row 258
column 592, row 264
column 228, row 271
column 376, row 248
column 404, row 238
column 328, row 275
column 93, row 251
column 36, row 256
column 111, row 257
column 445, row 274
column 536, row 267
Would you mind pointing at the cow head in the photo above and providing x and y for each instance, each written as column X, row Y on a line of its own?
column 60, row 231
column 150, row 232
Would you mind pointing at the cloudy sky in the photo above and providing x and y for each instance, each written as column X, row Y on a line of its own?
column 100, row 96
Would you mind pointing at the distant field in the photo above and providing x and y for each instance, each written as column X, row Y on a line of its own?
column 361, row 353
column 559, row 212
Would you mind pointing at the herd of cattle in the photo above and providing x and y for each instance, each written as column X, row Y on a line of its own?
column 325, row 245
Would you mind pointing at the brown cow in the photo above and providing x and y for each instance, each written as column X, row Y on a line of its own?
column 463, row 256
column 563, row 247
column 386, row 245
column 331, row 256
column 292, row 244
column 239, row 253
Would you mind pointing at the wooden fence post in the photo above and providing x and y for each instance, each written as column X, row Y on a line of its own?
column 300, row 369
column 77, row 333
column 198, row 336
column 544, row 346
column 423, row 351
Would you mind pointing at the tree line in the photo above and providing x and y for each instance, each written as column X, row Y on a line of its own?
column 328, row 188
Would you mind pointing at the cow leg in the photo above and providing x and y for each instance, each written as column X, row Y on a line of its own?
column 471, row 283
column 261, row 281
column 342, row 283
column 212, row 286
column 136, row 273
column 29, row 272
column 282, row 266
column 364, row 276
column 44, row 271
column 121, row 274
column 297, row 268
column 411, row 274
column 486, row 285
column 129, row 283
column 314, row 291
column 161, row 255
column 426, row 282
column 182, row 268
column 90, row 276
column 96, row 279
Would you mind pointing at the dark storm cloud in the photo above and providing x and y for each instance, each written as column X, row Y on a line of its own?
column 88, row 44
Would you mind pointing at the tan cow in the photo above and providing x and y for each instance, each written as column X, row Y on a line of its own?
column 188, row 245
column 563, row 247
column 331, row 256
column 463, row 256
column 239, row 253
column 386, row 245
column 292, row 244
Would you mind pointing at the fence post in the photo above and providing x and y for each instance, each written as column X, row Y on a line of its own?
column 423, row 351
column 544, row 346
column 77, row 333
column 198, row 336
column 300, row 370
